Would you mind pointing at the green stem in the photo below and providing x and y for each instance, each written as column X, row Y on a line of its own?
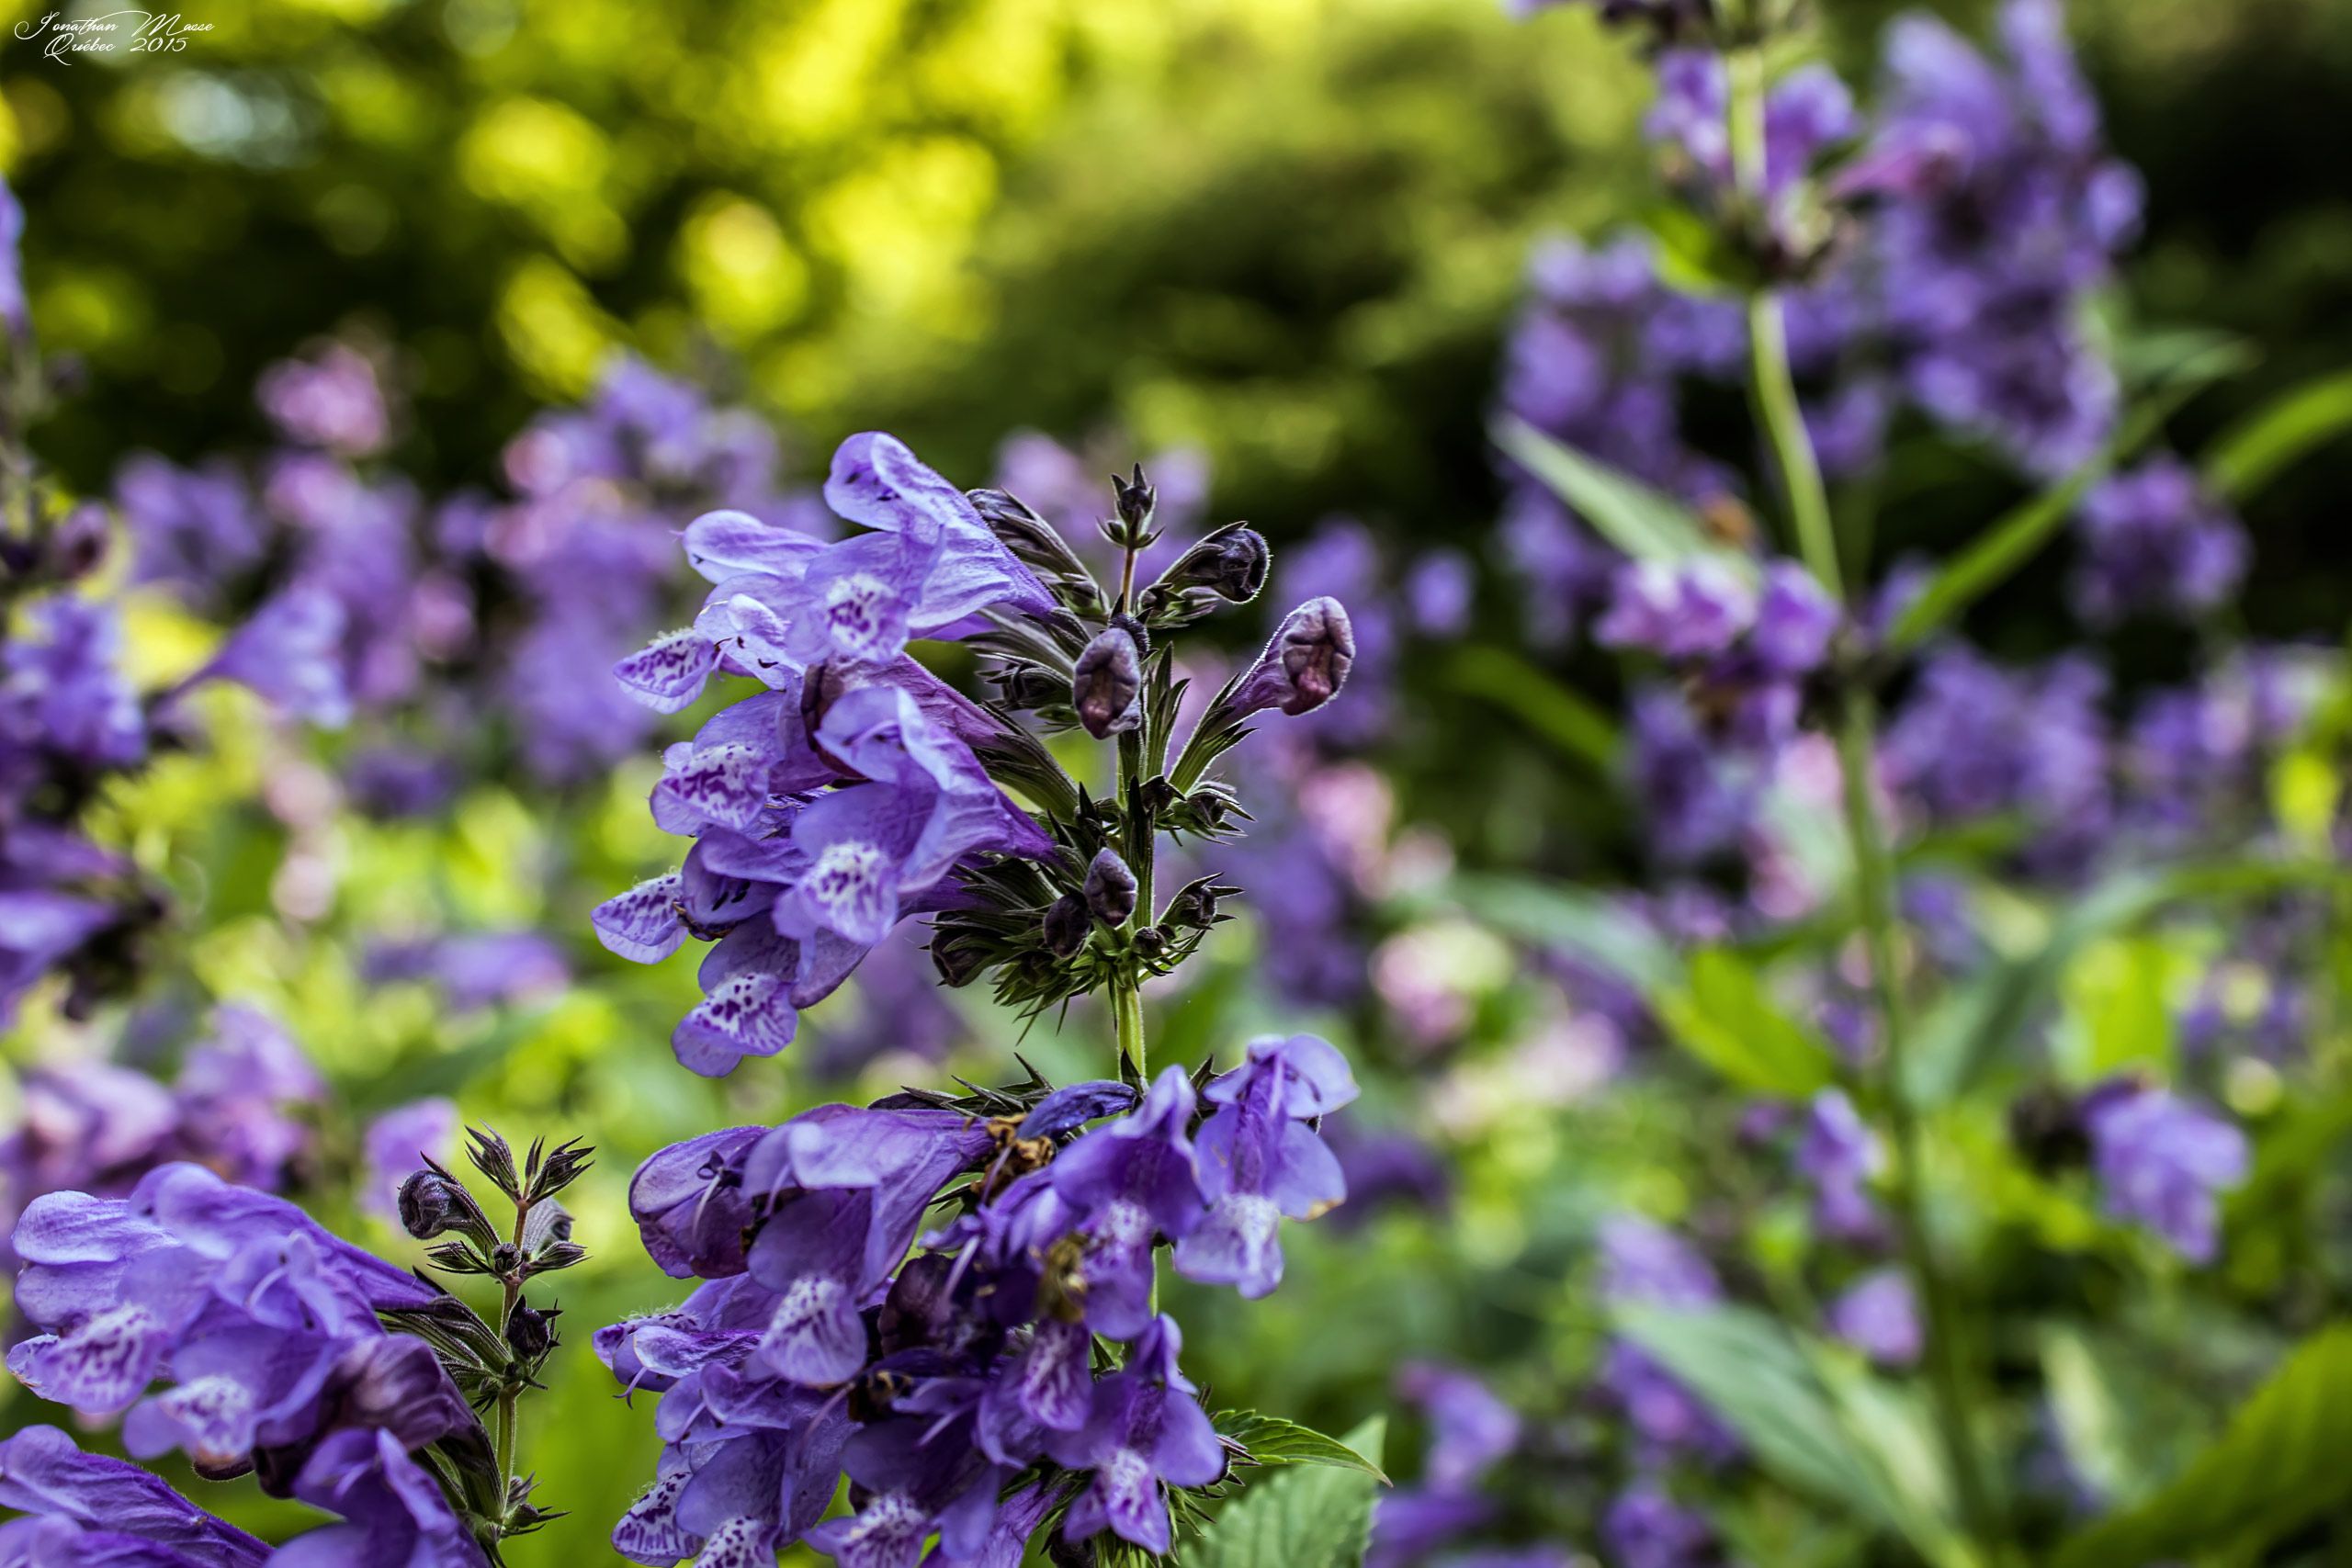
column 1782, row 420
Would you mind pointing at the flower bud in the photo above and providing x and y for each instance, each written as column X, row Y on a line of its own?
column 1067, row 925
column 1033, row 541
column 1137, row 500
column 1109, row 888
column 530, row 1331
column 1195, row 904
column 431, row 1203
column 1232, row 563
column 1305, row 665
column 1107, row 688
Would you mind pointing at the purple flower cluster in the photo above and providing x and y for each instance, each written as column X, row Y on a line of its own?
column 817, row 1348
column 2152, row 541
column 846, row 794
column 264, row 1334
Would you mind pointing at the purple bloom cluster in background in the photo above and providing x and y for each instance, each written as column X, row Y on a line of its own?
column 1470, row 1431
column 816, row 1346
column 2162, row 1161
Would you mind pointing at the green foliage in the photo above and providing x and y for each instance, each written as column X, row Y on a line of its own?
column 1318, row 1516
column 1643, row 521
column 2247, row 456
column 2278, row 1464
column 1724, row 1016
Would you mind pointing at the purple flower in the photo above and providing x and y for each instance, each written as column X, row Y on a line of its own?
column 1840, row 1155
column 1679, row 610
column 1879, row 1315
column 233, row 1290
column 1646, row 1528
column 87, row 1508
column 2152, row 540
column 1146, row 1430
column 2001, row 215
column 331, row 399
column 401, row 1141
column 1700, row 798
column 195, row 527
column 13, row 309
column 233, row 1089
column 1470, row 1429
column 2162, row 1162
column 1259, row 1159
column 1305, row 665
column 64, row 694
column 1133, row 1180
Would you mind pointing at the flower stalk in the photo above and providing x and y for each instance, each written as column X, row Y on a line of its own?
column 1773, row 387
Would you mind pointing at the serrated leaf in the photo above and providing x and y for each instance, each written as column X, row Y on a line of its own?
column 2254, row 451
column 1270, row 1440
column 2279, row 1465
column 1643, row 521
column 1310, row 1515
column 1724, row 1016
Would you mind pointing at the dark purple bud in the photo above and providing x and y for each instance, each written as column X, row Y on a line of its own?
column 530, row 1331
column 1195, row 904
column 1232, row 563
column 1066, row 923
column 1109, row 888
column 432, row 1203
column 1305, row 665
column 1137, row 500
column 1107, row 689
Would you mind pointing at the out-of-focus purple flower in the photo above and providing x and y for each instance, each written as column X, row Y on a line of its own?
column 2153, row 540
column 1975, row 741
column 1680, row 610
column 1805, row 112
column 1840, row 1155
column 2001, row 214
column 13, row 309
column 895, row 1007
column 1879, row 1315
column 1646, row 1263
column 1470, row 1429
column 195, row 528
column 64, row 693
column 399, row 1142
column 234, row 1091
column 1439, row 588
column 1385, row 1166
column 2162, row 1161
column 331, row 399
column 1646, row 1528
column 1698, row 798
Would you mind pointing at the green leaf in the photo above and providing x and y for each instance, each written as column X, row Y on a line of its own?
column 1544, row 704
column 2020, row 534
column 1552, row 915
column 1724, row 1017
column 1308, row 1516
column 1269, row 1440
column 2279, row 1463
column 1647, row 523
column 2257, row 449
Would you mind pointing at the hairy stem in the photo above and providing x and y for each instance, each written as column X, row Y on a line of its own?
column 509, row 1414
column 1783, row 422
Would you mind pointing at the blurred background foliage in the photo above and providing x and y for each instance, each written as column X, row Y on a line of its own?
column 1288, row 233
